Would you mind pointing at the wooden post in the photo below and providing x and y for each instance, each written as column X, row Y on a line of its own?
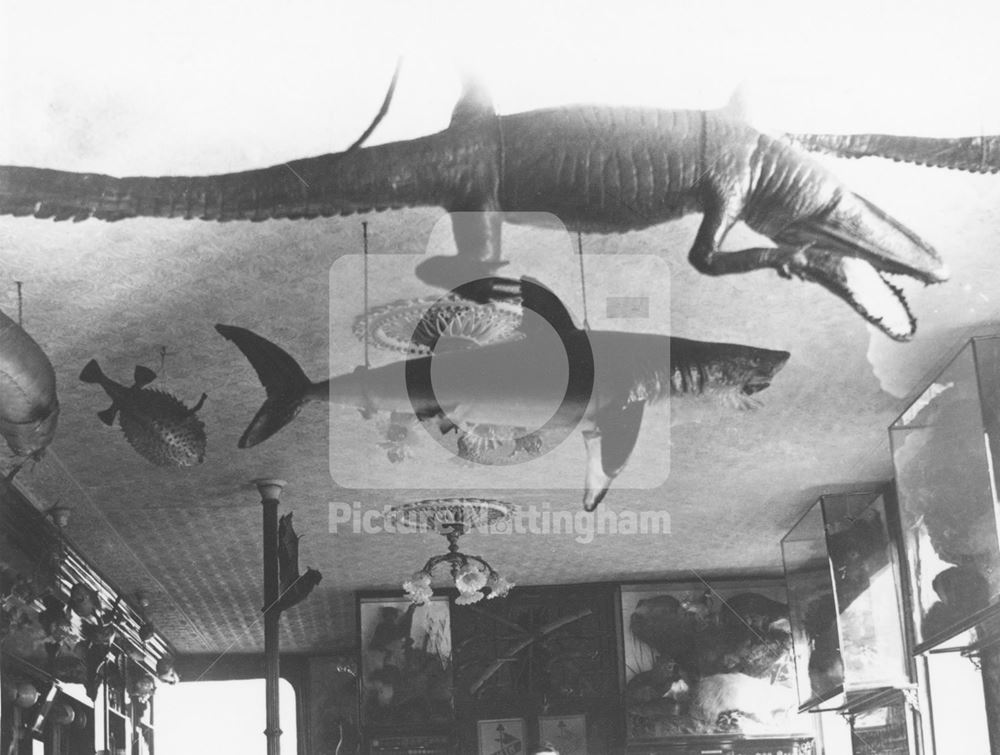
column 270, row 490
column 990, row 665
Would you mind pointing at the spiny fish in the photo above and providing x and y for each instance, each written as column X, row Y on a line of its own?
column 155, row 423
column 29, row 410
column 611, row 376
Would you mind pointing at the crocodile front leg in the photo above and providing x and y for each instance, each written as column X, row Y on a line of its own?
column 852, row 279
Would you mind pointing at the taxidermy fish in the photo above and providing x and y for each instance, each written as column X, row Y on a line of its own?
column 598, row 169
column 611, row 377
column 294, row 587
column 155, row 423
column 29, row 410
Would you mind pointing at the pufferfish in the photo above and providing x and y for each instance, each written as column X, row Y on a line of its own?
column 156, row 424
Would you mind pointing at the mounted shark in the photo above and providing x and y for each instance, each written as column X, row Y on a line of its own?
column 598, row 169
column 599, row 380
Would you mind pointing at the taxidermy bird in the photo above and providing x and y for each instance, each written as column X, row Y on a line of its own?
column 155, row 423
column 392, row 627
column 294, row 588
column 165, row 670
column 84, row 600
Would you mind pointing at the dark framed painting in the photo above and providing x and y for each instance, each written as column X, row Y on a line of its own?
column 566, row 735
column 708, row 658
column 501, row 736
column 406, row 663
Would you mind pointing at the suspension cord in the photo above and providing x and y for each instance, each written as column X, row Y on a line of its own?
column 364, row 231
column 20, row 304
column 583, row 279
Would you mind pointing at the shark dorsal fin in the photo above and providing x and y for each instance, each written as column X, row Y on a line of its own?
column 474, row 105
column 143, row 376
column 547, row 305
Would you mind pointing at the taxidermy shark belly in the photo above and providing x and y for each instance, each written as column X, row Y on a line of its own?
column 557, row 376
column 523, row 383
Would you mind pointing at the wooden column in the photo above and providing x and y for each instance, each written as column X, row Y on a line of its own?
column 990, row 664
column 270, row 490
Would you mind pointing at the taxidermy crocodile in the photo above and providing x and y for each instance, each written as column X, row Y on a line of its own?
column 973, row 154
column 598, row 169
column 599, row 380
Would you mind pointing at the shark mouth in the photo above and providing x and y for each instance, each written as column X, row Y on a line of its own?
column 866, row 288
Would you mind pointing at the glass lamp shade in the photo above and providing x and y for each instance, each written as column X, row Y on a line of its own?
column 845, row 604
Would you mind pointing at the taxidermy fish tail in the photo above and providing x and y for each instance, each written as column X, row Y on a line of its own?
column 286, row 384
column 92, row 373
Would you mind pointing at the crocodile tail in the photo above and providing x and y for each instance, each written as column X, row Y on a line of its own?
column 398, row 174
column 973, row 154
column 286, row 384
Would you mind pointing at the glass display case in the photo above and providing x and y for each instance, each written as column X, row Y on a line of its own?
column 944, row 449
column 842, row 576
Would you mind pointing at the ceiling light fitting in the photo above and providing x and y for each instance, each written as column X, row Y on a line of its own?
column 473, row 576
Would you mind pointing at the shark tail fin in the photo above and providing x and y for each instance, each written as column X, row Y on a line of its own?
column 286, row 384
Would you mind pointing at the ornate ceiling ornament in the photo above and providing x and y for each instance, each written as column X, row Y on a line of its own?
column 420, row 326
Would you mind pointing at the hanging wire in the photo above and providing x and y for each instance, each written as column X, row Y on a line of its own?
column 164, row 353
column 364, row 231
column 583, row 279
column 20, row 304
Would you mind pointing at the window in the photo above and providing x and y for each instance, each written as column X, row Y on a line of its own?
column 223, row 718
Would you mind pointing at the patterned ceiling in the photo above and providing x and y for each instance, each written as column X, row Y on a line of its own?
column 149, row 292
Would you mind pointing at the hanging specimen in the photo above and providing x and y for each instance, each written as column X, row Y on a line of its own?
column 611, row 377
column 598, row 169
column 156, row 424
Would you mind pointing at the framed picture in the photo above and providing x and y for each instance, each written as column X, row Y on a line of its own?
column 708, row 658
column 406, row 663
column 567, row 735
column 501, row 736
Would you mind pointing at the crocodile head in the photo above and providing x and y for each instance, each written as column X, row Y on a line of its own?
column 854, row 249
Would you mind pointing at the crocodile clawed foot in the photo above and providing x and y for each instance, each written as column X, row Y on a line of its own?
column 795, row 263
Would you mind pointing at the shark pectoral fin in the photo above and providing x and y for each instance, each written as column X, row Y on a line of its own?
column 108, row 415
column 596, row 481
column 609, row 448
column 143, row 376
column 619, row 432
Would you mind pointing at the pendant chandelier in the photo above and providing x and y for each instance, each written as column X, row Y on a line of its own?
column 473, row 576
